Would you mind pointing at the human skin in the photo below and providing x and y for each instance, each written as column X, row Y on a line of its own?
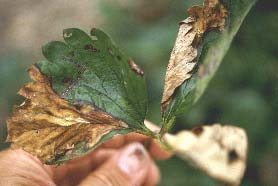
column 125, row 160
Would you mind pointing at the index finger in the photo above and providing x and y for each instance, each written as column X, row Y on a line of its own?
column 150, row 144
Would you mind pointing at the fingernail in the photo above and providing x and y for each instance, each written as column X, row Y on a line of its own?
column 133, row 158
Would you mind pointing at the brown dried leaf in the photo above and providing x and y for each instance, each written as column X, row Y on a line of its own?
column 220, row 151
column 46, row 125
column 184, row 54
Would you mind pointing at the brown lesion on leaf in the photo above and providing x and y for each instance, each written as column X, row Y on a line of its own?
column 80, row 70
column 232, row 156
column 46, row 125
column 135, row 67
column 67, row 81
column 91, row 48
column 69, row 87
column 184, row 54
column 198, row 130
column 212, row 15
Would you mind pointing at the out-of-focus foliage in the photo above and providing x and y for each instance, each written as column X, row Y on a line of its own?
column 243, row 92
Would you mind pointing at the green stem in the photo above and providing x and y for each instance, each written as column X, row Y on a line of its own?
column 166, row 126
column 155, row 135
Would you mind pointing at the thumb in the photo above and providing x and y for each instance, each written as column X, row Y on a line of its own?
column 128, row 167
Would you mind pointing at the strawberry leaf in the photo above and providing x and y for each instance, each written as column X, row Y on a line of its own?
column 93, row 71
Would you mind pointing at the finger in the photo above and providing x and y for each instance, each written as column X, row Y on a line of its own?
column 132, row 137
column 129, row 166
column 20, row 168
column 153, row 147
column 157, row 152
column 75, row 170
column 150, row 144
column 121, row 140
column 116, row 142
column 153, row 175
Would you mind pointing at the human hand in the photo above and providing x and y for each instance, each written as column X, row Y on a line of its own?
column 122, row 161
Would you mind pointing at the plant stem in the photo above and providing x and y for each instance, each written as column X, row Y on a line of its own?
column 167, row 126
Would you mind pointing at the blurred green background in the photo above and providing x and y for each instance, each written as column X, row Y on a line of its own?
column 243, row 92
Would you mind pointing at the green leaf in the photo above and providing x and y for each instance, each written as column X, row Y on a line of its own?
column 213, row 48
column 88, row 70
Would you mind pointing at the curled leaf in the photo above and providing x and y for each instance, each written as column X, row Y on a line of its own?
column 182, row 60
column 184, row 55
column 215, row 25
column 47, row 126
column 220, row 151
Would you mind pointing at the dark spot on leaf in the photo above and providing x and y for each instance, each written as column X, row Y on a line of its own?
column 88, row 47
column 68, row 88
column 66, row 80
column 93, row 31
column 232, row 156
column 119, row 58
column 91, row 48
column 198, row 130
column 57, row 157
column 135, row 67
column 72, row 83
